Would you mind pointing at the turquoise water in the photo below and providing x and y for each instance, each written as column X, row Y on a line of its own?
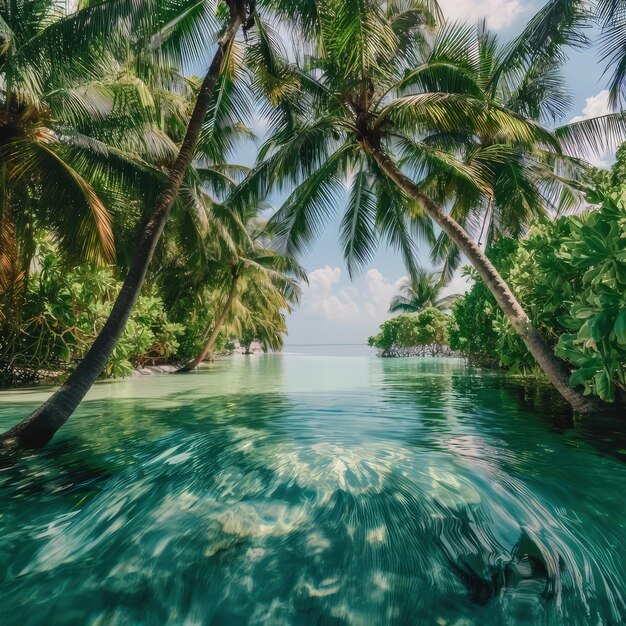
column 299, row 489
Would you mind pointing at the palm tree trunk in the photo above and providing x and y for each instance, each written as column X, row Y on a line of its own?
column 208, row 346
column 486, row 226
column 552, row 366
column 39, row 427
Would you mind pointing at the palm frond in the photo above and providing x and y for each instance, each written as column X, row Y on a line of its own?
column 84, row 232
column 593, row 136
column 358, row 227
column 299, row 220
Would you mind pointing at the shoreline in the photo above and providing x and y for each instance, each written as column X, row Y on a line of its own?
column 138, row 372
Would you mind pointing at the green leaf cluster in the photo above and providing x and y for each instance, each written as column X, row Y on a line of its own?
column 62, row 313
column 570, row 276
column 596, row 345
column 428, row 327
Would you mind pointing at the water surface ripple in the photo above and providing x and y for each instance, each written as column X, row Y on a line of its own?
column 288, row 489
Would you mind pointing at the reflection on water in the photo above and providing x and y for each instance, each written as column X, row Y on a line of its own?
column 315, row 490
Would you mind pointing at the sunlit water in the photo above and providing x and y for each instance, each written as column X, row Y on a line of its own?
column 295, row 489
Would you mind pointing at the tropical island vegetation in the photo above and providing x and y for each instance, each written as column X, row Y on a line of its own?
column 424, row 334
column 165, row 166
column 116, row 179
column 570, row 276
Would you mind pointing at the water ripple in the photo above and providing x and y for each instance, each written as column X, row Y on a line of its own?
column 415, row 493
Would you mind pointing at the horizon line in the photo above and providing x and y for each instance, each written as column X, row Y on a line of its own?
column 324, row 344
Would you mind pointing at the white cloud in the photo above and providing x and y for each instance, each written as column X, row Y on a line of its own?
column 324, row 278
column 379, row 292
column 328, row 298
column 498, row 13
column 323, row 298
column 595, row 106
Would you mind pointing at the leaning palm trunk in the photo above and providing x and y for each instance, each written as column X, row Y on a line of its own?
column 208, row 346
column 553, row 367
column 39, row 427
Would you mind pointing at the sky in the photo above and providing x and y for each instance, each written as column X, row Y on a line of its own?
column 335, row 309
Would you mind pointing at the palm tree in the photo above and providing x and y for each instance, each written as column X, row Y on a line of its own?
column 37, row 429
column 420, row 293
column 74, row 133
column 560, row 24
column 365, row 106
column 526, row 183
column 258, row 284
column 610, row 14
column 265, row 324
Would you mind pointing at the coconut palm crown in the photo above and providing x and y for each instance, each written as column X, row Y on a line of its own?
column 259, row 285
column 423, row 292
column 78, row 127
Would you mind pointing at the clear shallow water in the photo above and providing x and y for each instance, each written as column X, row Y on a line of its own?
column 293, row 489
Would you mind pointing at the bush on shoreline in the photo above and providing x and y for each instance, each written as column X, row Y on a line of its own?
column 59, row 315
column 422, row 334
column 570, row 276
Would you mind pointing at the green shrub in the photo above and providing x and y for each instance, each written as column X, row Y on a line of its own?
column 596, row 345
column 62, row 312
column 404, row 335
column 193, row 313
column 570, row 276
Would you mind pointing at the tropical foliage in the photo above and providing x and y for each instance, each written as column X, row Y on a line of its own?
column 528, row 179
column 84, row 129
column 596, row 345
column 259, row 286
column 420, row 292
column 62, row 312
column 39, row 427
column 413, row 335
column 574, row 19
column 571, row 276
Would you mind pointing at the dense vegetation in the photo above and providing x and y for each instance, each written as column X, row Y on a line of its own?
column 63, row 308
column 424, row 334
column 570, row 275
column 88, row 133
column 116, row 176
column 62, row 312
